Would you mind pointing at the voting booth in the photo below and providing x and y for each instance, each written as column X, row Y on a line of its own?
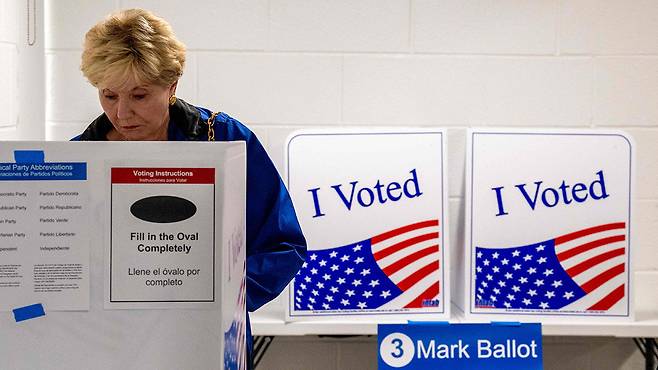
column 122, row 255
column 373, row 206
column 548, row 226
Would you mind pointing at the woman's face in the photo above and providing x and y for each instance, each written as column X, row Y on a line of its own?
column 137, row 111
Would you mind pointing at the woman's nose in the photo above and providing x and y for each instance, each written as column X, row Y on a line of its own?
column 124, row 109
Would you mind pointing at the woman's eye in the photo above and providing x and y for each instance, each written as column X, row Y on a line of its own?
column 110, row 97
column 139, row 97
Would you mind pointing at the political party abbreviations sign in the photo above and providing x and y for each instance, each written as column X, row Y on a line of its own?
column 549, row 223
column 372, row 207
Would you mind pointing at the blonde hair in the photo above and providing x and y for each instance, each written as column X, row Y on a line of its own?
column 132, row 42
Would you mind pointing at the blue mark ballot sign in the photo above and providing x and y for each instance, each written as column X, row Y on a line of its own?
column 414, row 346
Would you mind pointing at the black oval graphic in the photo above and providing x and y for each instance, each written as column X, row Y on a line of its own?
column 163, row 209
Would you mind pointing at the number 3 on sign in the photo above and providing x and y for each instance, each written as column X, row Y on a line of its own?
column 396, row 350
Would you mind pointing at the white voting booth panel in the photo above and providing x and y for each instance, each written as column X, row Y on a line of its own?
column 548, row 226
column 373, row 207
column 136, row 252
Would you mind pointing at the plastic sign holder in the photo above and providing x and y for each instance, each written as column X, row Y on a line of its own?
column 373, row 207
column 441, row 345
column 548, row 226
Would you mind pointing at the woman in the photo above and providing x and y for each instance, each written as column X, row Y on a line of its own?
column 134, row 60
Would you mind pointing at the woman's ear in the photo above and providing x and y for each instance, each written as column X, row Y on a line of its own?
column 172, row 88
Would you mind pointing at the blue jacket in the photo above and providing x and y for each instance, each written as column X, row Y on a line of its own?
column 276, row 247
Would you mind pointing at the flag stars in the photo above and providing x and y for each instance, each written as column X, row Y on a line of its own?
column 365, row 272
column 344, row 302
column 349, row 271
column 322, row 263
column 329, row 298
column 358, row 260
column 313, row 257
column 539, row 282
column 508, row 275
column 478, row 269
column 489, row 277
column 340, row 281
column 557, row 283
column 541, row 260
column 568, row 295
column 307, row 279
column 511, row 297
column 486, row 262
column 527, row 257
column 495, row 255
column 334, row 267
column 532, row 270
column 523, row 280
column 495, row 269
column 333, row 254
column 549, row 294
column 516, row 266
column 479, row 254
column 315, row 292
column 311, row 299
column 496, row 291
column 314, row 271
column 516, row 289
column 356, row 282
column 345, row 258
column 385, row 294
column 334, row 289
column 527, row 301
column 507, row 304
column 357, row 248
column 541, row 248
column 504, row 261
column 493, row 298
column 367, row 294
column 325, row 306
column 350, row 293
column 516, row 253
column 485, row 284
column 326, row 277
column 361, row 305
column 373, row 283
column 303, row 286
column 543, row 305
column 532, row 292
column 304, row 265
column 501, row 284
column 320, row 285
column 548, row 272
column 480, row 290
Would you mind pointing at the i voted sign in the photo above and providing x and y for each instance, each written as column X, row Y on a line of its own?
column 420, row 346
column 548, row 223
column 372, row 207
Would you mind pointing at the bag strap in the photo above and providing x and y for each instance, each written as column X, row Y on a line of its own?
column 211, row 126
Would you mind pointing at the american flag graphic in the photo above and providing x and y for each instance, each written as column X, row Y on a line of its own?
column 580, row 271
column 235, row 345
column 396, row 269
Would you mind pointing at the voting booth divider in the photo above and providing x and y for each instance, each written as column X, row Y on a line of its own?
column 117, row 255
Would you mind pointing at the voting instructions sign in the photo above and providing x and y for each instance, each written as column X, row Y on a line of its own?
column 437, row 345
column 122, row 254
column 548, row 223
column 372, row 205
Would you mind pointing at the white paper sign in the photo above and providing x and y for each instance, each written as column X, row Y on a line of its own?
column 372, row 207
column 549, row 223
column 44, row 223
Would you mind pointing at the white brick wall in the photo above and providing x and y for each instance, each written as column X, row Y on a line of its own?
column 8, row 68
column 279, row 65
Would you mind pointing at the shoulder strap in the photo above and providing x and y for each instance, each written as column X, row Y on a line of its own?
column 211, row 126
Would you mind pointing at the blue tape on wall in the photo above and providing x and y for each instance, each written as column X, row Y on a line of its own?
column 29, row 312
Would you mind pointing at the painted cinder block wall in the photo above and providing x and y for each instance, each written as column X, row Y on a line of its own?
column 9, row 30
column 281, row 65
